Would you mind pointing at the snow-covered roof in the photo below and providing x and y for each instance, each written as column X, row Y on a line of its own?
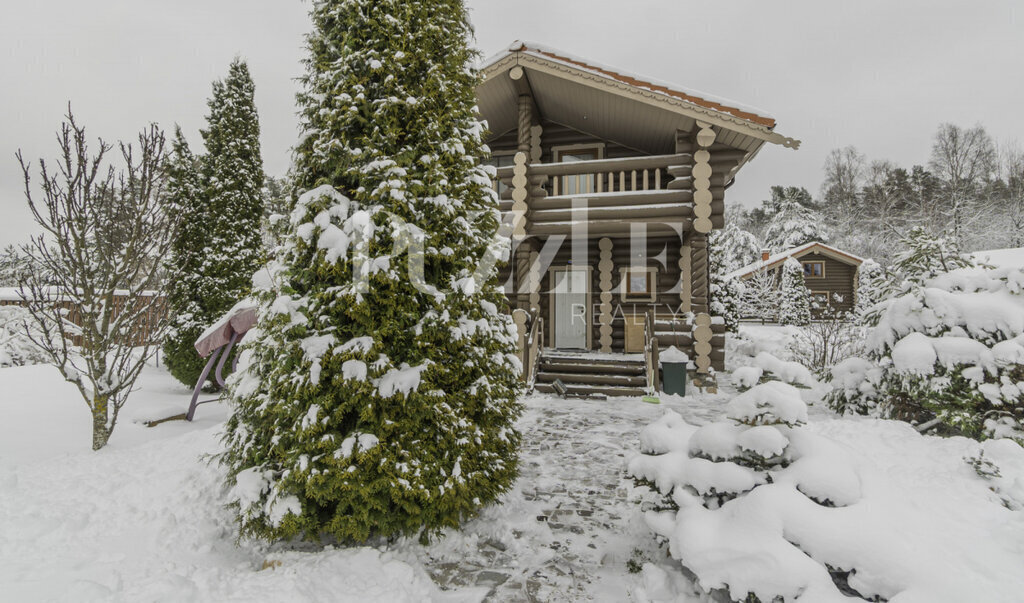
column 703, row 99
column 1001, row 258
column 796, row 252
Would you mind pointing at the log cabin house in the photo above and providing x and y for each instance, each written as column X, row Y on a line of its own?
column 611, row 184
column 830, row 273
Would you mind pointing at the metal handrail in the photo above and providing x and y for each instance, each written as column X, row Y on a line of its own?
column 530, row 351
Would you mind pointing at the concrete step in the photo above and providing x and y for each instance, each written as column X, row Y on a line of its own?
column 588, row 391
column 569, row 364
column 571, row 378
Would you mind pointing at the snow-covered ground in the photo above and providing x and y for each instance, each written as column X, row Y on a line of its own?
column 143, row 519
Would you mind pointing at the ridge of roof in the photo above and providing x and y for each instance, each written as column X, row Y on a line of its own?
column 696, row 97
column 784, row 255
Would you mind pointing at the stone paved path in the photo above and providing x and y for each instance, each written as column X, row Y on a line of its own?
column 572, row 524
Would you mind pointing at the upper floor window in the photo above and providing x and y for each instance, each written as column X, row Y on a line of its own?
column 814, row 269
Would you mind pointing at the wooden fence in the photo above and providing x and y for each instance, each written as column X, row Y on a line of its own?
column 143, row 330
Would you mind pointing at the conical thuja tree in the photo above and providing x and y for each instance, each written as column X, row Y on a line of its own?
column 794, row 296
column 219, row 245
column 379, row 394
column 232, row 173
column 185, row 262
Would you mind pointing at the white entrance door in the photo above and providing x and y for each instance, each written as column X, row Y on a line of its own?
column 570, row 304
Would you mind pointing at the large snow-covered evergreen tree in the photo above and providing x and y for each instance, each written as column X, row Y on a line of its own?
column 790, row 222
column 220, row 198
column 733, row 247
column 378, row 396
column 232, row 173
column 794, row 297
column 184, row 267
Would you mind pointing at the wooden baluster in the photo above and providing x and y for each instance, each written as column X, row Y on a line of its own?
column 632, row 175
column 622, row 180
column 657, row 179
column 645, row 181
column 600, row 178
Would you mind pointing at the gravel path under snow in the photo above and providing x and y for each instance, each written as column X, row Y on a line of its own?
column 573, row 522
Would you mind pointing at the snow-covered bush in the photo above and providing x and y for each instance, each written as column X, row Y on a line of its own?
column 794, row 296
column 765, row 508
column 760, row 297
column 767, row 366
column 16, row 348
column 829, row 339
column 948, row 344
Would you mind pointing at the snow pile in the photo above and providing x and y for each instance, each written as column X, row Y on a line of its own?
column 16, row 349
column 951, row 347
column 832, row 510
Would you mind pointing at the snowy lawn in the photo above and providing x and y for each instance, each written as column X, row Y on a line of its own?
column 142, row 520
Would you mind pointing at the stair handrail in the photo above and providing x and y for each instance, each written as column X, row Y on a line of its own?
column 649, row 351
column 530, row 353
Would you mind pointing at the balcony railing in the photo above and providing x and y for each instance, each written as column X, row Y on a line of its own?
column 630, row 174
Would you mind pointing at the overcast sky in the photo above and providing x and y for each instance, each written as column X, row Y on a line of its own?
column 877, row 74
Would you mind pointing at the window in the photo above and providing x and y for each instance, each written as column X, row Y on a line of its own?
column 576, row 184
column 499, row 160
column 819, row 300
column 814, row 269
column 638, row 284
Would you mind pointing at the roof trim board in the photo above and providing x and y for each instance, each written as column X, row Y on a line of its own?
column 714, row 112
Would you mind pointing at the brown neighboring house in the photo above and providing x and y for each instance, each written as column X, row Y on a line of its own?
column 612, row 183
column 830, row 273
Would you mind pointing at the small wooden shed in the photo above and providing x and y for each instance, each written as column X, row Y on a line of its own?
column 830, row 273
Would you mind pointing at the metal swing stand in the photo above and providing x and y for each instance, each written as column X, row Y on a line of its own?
column 217, row 343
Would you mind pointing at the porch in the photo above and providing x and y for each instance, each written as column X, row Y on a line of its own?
column 589, row 373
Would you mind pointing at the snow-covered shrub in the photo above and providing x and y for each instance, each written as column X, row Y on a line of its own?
column 760, row 297
column 763, row 508
column 704, row 472
column 829, row 339
column 794, row 296
column 16, row 348
column 948, row 344
column 784, row 370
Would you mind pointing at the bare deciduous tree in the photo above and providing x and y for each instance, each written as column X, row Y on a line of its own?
column 95, row 275
column 963, row 159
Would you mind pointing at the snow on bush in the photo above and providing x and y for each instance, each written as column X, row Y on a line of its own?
column 16, row 349
column 947, row 345
column 785, row 370
column 762, row 507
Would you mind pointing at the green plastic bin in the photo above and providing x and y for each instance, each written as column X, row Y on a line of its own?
column 673, row 371
column 673, row 378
